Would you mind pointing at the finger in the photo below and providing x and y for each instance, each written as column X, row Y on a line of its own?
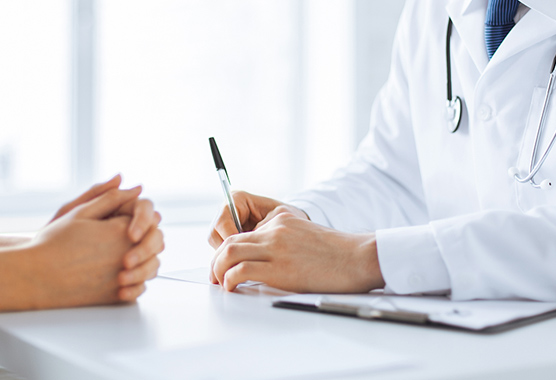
column 108, row 203
column 143, row 219
column 151, row 245
column 248, row 270
column 212, row 277
column 131, row 293
column 214, row 239
column 268, row 218
column 282, row 209
column 139, row 274
column 225, row 225
column 235, row 253
column 90, row 194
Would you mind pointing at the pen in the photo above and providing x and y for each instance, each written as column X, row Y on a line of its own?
column 225, row 181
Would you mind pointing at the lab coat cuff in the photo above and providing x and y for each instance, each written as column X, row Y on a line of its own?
column 312, row 210
column 410, row 261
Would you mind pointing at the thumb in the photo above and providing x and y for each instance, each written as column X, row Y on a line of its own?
column 108, row 203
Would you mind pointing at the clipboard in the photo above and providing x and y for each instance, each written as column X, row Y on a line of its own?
column 480, row 316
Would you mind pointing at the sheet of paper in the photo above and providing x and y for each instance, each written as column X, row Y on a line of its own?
column 198, row 275
column 474, row 315
column 305, row 355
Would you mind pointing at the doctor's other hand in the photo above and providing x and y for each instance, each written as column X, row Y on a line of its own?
column 78, row 258
column 142, row 213
column 295, row 254
column 253, row 211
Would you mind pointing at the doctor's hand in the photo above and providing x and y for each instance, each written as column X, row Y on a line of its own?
column 294, row 254
column 78, row 258
column 253, row 211
column 144, row 217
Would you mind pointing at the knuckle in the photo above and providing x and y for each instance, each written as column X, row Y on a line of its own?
column 240, row 194
column 228, row 252
column 282, row 209
column 283, row 216
column 279, row 232
column 145, row 202
column 243, row 269
column 158, row 217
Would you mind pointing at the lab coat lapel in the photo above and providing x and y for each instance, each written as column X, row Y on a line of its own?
column 545, row 7
column 469, row 18
column 534, row 27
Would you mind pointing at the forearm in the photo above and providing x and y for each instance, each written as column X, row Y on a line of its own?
column 16, row 292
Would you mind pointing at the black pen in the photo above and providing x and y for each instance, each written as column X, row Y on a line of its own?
column 225, row 181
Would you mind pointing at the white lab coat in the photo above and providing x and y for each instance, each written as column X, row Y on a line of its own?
column 447, row 216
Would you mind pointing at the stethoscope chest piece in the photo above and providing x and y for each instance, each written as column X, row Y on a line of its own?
column 454, row 109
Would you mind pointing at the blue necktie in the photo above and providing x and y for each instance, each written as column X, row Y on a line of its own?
column 499, row 21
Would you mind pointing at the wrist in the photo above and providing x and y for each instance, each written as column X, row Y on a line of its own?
column 369, row 275
column 16, row 278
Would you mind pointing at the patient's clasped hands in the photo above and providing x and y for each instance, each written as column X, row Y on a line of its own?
column 99, row 249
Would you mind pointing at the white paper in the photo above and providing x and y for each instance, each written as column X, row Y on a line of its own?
column 306, row 355
column 199, row 276
column 474, row 315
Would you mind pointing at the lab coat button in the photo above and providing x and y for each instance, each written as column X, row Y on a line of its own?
column 485, row 112
column 415, row 280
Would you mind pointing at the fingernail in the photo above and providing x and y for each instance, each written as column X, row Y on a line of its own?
column 132, row 260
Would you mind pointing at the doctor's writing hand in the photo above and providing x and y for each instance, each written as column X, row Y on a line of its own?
column 78, row 258
column 294, row 254
column 254, row 211
column 144, row 217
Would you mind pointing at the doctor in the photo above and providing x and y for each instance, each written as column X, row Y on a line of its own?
column 426, row 204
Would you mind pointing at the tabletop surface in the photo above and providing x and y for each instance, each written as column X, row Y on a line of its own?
column 78, row 343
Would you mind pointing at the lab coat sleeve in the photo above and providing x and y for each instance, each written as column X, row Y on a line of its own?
column 488, row 255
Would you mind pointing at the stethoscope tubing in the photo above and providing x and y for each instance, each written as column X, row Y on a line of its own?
column 533, row 168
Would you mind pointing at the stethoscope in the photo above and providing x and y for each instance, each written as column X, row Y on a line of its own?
column 454, row 108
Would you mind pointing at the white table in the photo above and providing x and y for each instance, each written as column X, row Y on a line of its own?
column 75, row 343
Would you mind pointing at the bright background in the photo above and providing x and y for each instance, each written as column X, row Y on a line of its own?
column 90, row 88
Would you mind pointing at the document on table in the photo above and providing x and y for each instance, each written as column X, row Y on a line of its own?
column 198, row 275
column 300, row 355
column 480, row 315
